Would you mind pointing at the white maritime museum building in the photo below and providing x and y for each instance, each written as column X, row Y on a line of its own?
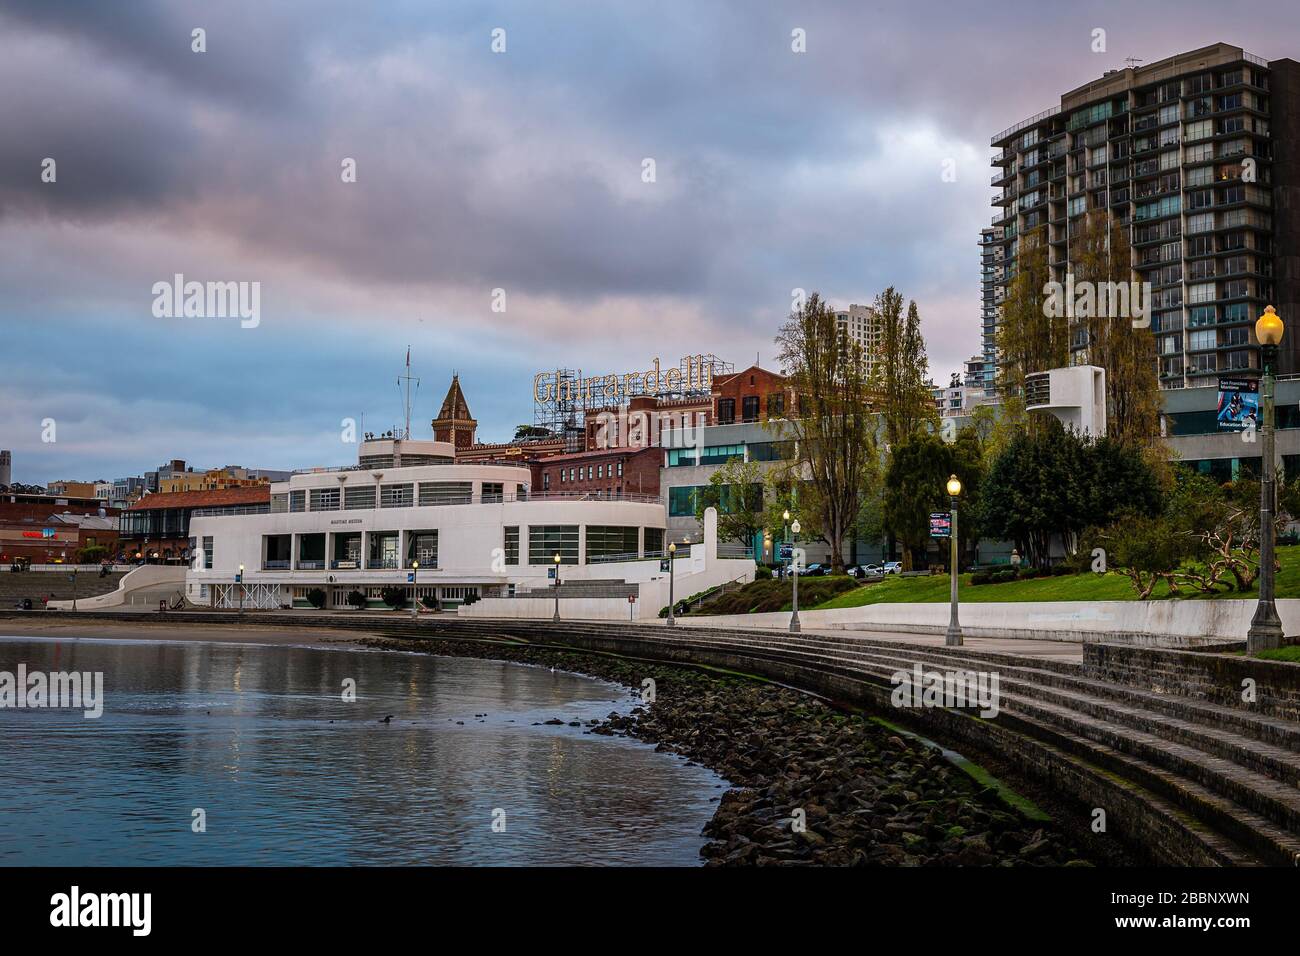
column 474, row 529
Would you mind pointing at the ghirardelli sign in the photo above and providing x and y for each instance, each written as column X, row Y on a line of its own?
column 615, row 389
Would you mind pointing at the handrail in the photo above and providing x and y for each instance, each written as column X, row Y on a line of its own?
column 480, row 499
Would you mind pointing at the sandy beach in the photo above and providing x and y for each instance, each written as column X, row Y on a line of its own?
column 224, row 633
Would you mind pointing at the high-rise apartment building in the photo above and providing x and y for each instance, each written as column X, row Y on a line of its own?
column 861, row 325
column 1199, row 155
column 992, row 290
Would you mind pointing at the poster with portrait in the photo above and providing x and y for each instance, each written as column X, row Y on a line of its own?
column 1238, row 403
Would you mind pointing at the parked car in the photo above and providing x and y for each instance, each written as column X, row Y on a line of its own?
column 892, row 567
column 866, row 570
column 817, row 570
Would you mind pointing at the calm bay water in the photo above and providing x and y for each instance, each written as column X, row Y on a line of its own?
column 288, row 773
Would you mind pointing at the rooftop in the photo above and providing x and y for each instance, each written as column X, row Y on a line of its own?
column 221, row 497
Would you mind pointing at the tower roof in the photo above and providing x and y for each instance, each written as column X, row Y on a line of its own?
column 454, row 406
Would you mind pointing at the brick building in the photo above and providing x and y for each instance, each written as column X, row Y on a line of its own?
column 157, row 527
column 606, row 473
column 45, row 529
column 752, row 395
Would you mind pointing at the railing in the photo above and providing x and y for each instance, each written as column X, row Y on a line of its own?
column 381, row 564
column 232, row 510
column 1023, row 123
column 480, row 499
column 276, row 565
column 311, row 565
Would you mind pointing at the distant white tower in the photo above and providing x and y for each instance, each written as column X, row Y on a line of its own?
column 6, row 468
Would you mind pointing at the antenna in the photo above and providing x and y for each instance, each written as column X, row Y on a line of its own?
column 407, row 379
column 1132, row 61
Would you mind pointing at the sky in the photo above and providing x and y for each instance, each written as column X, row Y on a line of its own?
column 501, row 220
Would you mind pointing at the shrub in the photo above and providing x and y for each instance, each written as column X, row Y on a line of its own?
column 356, row 599
column 981, row 577
column 394, row 597
column 1061, row 570
column 1008, row 575
column 93, row 555
column 470, row 598
column 430, row 602
column 316, row 598
column 762, row 574
column 1029, row 572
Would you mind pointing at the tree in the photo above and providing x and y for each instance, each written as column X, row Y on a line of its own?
column 736, row 491
column 1102, row 254
column 1054, row 482
column 914, row 487
column 1028, row 340
column 834, row 431
column 900, row 369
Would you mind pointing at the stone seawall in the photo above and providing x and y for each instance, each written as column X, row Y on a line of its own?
column 1215, row 678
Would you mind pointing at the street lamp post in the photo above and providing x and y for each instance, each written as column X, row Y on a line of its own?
column 241, row 590
column 415, row 584
column 785, row 532
column 557, row 587
column 1266, row 627
column 794, row 567
column 672, row 556
column 952, row 637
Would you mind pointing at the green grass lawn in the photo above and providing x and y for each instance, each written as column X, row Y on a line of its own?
column 1291, row 653
column 1071, row 587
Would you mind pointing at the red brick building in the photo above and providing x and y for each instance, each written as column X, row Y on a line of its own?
column 752, row 395
column 157, row 527
column 34, row 527
column 608, row 473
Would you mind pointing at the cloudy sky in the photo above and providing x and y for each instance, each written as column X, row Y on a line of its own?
column 476, row 170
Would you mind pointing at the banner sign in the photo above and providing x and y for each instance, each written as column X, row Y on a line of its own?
column 1238, row 403
column 941, row 525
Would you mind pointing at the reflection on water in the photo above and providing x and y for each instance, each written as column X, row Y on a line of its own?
column 288, row 773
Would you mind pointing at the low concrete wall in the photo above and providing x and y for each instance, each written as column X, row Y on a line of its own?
column 145, row 586
column 1187, row 623
column 571, row 609
column 1216, row 678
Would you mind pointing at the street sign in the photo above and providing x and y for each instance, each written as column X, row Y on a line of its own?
column 550, row 573
column 239, row 579
column 941, row 525
column 787, row 552
column 410, row 578
column 631, row 599
column 664, row 564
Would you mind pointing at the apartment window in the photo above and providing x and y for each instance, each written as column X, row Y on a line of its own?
column 1201, row 129
column 600, row 471
column 1202, row 315
column 207, row 553
column 1202, row 222
column 547, row 540
column 1200, row 176
column 726, row 411
column 546, row 481
column 422, row 546
column 654, row 541
column 511, row 544
column 1235, row 289
column 494, row 492
column 1200, row 341
column 776, row 405
column 1170, row 344
column 325, row 499
column 749, row 408
column 1204, row 362
column 279, row 503
column 620, row 469
column 1199, row 153
column 1203, row 292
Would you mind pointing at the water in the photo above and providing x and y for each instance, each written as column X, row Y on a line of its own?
column 244, row 732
